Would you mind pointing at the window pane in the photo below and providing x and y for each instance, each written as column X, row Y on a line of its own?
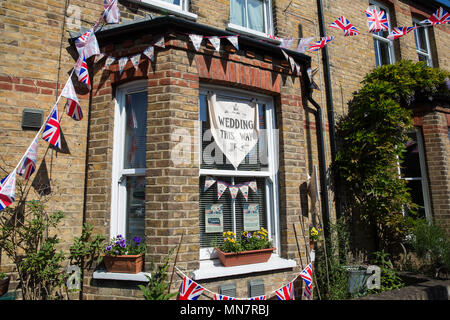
column 416, row 192
column 411, row 162
column 135, row 130
column 256, row 15
column 422, row 41
column 237, row 12
column 175, row 2
column 384, row 53
column 135, row 207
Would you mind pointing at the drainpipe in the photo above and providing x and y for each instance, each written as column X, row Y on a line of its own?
column 329, row 101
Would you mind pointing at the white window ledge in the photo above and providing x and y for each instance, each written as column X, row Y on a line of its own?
column 104, row 275
column 210, row 269
column 170, row 8
column 253, row 33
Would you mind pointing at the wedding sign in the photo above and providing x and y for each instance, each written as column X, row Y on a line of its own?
column 234, row 126
column 251, row 216
column 213, row 218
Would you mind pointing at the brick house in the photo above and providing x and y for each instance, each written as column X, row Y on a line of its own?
column 147, row 179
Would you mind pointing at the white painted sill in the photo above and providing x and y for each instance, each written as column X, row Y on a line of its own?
column 213, row 268
column 104, row 275
column 253, row 33
column 170, row 8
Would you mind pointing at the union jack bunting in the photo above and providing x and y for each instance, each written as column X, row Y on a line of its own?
column 189, row 290
column 306, row 275
column 376, row 20
column 222, row 297
column 112, row 12
column 439, row 17
column 7, row 190
column 82, row 71
column 315, row 46
column 399, row 32
column 286, row 292
column 343, row 24
column 87, row 44
column 258, row 298
column 52, row 132
column 73, row 108
column 28, row 165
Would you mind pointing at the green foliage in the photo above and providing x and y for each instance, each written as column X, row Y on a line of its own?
column 157, row 287
column 389, row 279
column 2, row 275
column 86, row 249
column 246, row 241
column 372, row 142
column 120, row 246
column 432, row 246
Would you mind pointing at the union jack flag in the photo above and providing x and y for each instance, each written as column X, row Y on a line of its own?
column 306, row 275
column 82, row 71
column 343, row 24
column 399, row 32
column 286, row 292
column 87, row 44
column 377, row 20
column 73, row 108
column 315, row 46
column 52, row 131
column 222, row 297
column 7, row 190
column 258, row 298
column 439, row 17
column 28, row 165
column 189, row 290
column 112, row 12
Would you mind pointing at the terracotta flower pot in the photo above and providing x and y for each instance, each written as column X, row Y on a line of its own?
column 124, row 264
column 4, row 285
column 230, row 259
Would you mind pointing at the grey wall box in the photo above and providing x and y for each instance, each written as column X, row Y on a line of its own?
column 228, row 290
column 32, row 119
column 255, row 288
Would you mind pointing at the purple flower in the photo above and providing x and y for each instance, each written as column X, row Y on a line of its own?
column 108, row 248
column 137, row 240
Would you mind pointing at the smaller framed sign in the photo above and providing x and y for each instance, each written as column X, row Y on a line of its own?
column 213, row 218
column 251, row 216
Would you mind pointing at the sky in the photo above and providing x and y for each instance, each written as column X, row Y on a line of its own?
column 445, row 2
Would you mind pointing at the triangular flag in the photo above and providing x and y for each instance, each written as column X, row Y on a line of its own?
column 135, row 60
column 286, row 292
column 73, row 108
column 343, row 24
column 122, row 63
column 112, row 12
column 81, row 70
column 399, row 32
column 28, row 165
column 221, row 187
column 376, row 20
column 303, row 44
column 315, row 46
column 306, row 275
column 150, row 53
column 286, row 43
column 234, row 41
column 190, row 290
column 244, row 190
column 254, row 186
column 7, row 190
column 196, row 40
column 52, row 130
column 209, row 181
column 439, row 17
column 222, row 297
column 160, row 42
column 109, row 61
column 99, row 57
column 234, row 190
column 215, row 41
column 258, row 298
column 88, row 44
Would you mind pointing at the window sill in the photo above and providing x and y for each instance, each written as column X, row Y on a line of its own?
column 253, row 33
column 104, row 275
column 210, row 269
column 172, row 9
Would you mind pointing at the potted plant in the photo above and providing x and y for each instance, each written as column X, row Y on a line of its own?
column 124, row 257
column 314, row 235
column 248, row 248
column 4, row 283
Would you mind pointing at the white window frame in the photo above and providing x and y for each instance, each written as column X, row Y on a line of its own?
column 427, row 55
column 268, row 33
column 423, row 178
column 119, row 174
column 181, row 10
column 272, row 195
column 379, row 38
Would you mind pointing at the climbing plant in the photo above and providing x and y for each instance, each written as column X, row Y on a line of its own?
column 372, row 139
